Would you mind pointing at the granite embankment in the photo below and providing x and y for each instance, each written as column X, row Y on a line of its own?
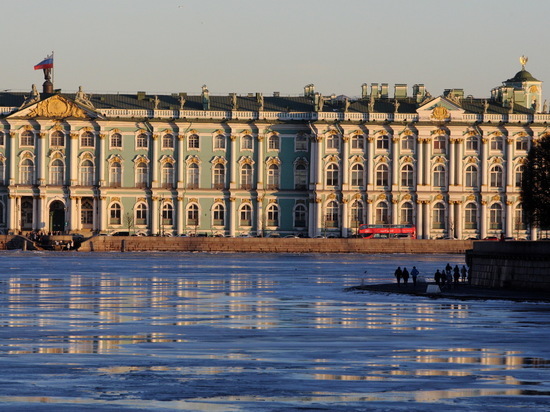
column 272, row 245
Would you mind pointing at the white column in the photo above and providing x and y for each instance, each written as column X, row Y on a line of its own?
column 259, row 214
column 13, row 162
column 313, row 166
column 458, row 220
column 452, row 162
column 319, row 164
column 426, row 218
column 155, row 161
column 12, row 213
column 394, row 216
column 483, row 170
column 103, row 212
column 345, row 219
column 179, row 214
column 483, row 220
column 180, row 163
column 427, row 161
column 459, row 155
column 72, row 179
column 73, row 213
column 419, row 220
column 509, row 164
column 101, row 161
column 41, row 158
column 232, row 216
column 369, row 212
column 452, row 220
column 509, row 219
column 35, row 215
column 370, row 163
column 260, row 180
column 233, row 166
column 420, row 158
column 78, row 218
column 318, row 217
column 345, row 163
column 155, row 215
column 95, row 215
column 395, row 163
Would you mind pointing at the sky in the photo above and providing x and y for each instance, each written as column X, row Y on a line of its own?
column 245, row 46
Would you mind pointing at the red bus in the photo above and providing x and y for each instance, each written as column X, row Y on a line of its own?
column 387, row 231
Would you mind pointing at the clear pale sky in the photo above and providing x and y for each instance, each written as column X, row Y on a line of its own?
column 168, row 46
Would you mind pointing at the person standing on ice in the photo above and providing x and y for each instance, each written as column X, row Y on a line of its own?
column 398, row 275
column 414, row 275
column 405, row 276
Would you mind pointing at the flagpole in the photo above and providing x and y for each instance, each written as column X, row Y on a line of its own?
column 53, row 69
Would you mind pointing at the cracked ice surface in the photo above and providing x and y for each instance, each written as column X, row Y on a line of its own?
column 270, row 332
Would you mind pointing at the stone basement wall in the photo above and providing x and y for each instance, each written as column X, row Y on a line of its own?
column 511, row 265
column 272, row 245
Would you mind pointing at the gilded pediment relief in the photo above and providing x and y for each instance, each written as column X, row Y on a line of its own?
column 55, row 107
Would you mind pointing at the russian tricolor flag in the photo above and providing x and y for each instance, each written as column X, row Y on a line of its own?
column 47, row 63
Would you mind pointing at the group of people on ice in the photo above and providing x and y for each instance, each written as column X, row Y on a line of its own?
column 448, row 276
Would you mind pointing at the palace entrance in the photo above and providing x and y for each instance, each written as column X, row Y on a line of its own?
column 57, row 216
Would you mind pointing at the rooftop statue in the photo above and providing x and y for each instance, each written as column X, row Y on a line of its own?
column 33, row 98
column 82, row 98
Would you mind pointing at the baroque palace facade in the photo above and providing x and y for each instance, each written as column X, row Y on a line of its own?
column 230, row 165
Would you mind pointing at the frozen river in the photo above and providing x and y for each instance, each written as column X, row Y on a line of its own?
column 257, row 332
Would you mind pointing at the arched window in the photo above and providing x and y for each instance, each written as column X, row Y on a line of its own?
column 300, row 177
column 27, row 172
column 357, row 175
column 470, row 216
column 495, row 176
column 193, row 215
column 218, row 215
column 383, row 142
column 406, row 214
column 357, row 141
column 273, row 142
column 245, row 215
column 471, row 177
column 27, row 138
column 57, row 139
column 193, row 141
column 382, row 175
column 168, row 175
column 407, row 142
column 142, row 175
column 300, row 216
column 193, row 176
column 382, row 214
column 219, row 176
column 168, row 141
column 142, row 140
column 87, row 173
column 273, row 215
column 247, row 142
column 116, row 140
column 497, row 143
column 519, row 175
column 141, row 214
column 357, row 213
column 520, row 220
column 115, row 214
column 246, row 176
column 439, row 176
column 115, row 175
column 440, row 144
column 331, row 214
column 522, row 143
column 167, row 214
column 332, row 174
column 87, row 139
column 2, row 172
column 333, row 142
column 87, row 214
column 407, row 176
column 438, row 216
column 273, row 176
column 219, row 142
column 495, row 216
column 57, row 173
column 472, row 144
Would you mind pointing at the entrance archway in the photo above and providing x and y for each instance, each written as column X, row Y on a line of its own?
column 57, row 216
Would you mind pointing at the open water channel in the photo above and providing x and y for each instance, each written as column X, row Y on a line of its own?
column 257, row 332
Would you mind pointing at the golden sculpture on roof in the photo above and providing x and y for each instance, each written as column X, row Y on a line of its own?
column 523, row 60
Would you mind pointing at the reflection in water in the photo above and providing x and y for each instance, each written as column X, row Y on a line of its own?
column 271, row 328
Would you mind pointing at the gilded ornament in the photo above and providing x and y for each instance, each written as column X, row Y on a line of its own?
column 440, row 113
column 57, row 107
column 382, row 196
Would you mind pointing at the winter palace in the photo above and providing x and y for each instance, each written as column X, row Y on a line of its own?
column 251, row 164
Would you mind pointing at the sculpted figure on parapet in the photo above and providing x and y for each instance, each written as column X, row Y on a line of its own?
column 33, row 98
column 82, row 98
